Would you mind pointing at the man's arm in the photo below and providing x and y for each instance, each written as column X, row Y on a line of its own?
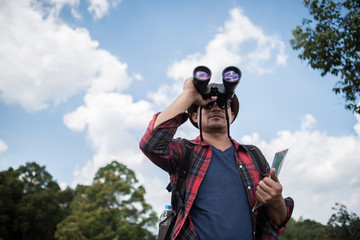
column 186, row 98
column 269, row 192
column 157, row 143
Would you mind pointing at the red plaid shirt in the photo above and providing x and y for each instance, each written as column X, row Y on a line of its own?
column 160, row 147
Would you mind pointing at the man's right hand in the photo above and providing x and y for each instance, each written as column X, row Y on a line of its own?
column 193, row 93
column 186, row 98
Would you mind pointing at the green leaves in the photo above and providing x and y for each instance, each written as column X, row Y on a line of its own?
column 113, row 207
column 331, row 43
column 304, row 230
column 341, row 226
column 32, row 206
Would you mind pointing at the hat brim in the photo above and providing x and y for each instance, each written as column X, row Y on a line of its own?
column 234, row 108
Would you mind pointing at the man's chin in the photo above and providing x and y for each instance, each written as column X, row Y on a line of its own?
column 219, row 126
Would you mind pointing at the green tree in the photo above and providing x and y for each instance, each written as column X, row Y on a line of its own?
column 10, row 198
column 343, row 225
column 303, row 230
column 30, row 203
column 113, row 207
column 332, row 44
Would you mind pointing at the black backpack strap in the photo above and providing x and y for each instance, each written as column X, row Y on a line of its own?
column 258, row 159
column 183, row 170
column 184, row 166
column 187, row 150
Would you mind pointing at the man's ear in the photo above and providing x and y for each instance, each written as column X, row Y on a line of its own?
column 194, row 117
column 232, row 116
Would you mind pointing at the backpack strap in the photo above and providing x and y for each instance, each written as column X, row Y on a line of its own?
column 259, row 220
column 258, row 159
column 184, row 167
column 187, row 150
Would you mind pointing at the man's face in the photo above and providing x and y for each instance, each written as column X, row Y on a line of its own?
column 213, row 117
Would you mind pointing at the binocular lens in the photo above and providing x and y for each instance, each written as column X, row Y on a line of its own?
column 202, row 75
column 201, row 78
column 231, row 76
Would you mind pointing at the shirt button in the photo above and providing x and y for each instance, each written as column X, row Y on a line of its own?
column 240, row 166
column 249, row 187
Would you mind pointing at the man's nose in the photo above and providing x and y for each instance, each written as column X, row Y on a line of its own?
column 216, row 107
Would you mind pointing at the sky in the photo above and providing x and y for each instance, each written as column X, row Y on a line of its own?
column 80, row 81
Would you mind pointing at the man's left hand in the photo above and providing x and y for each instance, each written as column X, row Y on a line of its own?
column 269, row 192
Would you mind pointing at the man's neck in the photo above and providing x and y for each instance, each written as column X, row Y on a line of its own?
column 219, row 140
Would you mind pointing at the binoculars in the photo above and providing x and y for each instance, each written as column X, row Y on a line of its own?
column 231, row 78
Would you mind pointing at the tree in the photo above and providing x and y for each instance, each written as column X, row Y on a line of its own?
column 10, row 199
column 343, row 225
column 303, row 230
column 31, row 203
column 113, row 207
column 332, row 44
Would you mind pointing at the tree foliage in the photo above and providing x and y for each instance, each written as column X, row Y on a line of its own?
column 32, row 206
column 331, row 43
column 343, row 225
column 31, row 203
column 303, row 230
column 113, row 207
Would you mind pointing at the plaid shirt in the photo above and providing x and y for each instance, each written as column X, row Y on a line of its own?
column 160, row 147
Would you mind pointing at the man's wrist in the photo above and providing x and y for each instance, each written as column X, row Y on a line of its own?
column 277, row 212
column 188, row 97
column 278, row 203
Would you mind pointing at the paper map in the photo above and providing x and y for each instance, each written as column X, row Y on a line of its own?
column 278, row 161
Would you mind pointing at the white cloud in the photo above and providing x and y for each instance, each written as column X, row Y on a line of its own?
column 319, row 169
column 99, row 8
column 357, row 126
column 307, row 122
column 43, row 61
column 240, row 43
column 3, row 146
column 110, row 120
column 57, row 5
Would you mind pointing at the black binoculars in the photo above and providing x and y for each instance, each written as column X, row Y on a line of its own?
column 231, row 78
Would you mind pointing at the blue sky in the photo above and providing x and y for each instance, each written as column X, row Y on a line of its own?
column 80, row 80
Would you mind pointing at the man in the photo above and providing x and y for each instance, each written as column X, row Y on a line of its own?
column 223, row 184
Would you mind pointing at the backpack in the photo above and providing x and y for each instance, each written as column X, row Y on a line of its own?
column 187, row 149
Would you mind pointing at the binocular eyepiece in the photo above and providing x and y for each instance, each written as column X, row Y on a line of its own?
column 230, row 76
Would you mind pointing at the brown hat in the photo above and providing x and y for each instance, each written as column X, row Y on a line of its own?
column 234, row 108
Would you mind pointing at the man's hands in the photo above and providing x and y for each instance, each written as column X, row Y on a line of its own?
column 190, row 90
column 186, row 98
column 269, row 192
